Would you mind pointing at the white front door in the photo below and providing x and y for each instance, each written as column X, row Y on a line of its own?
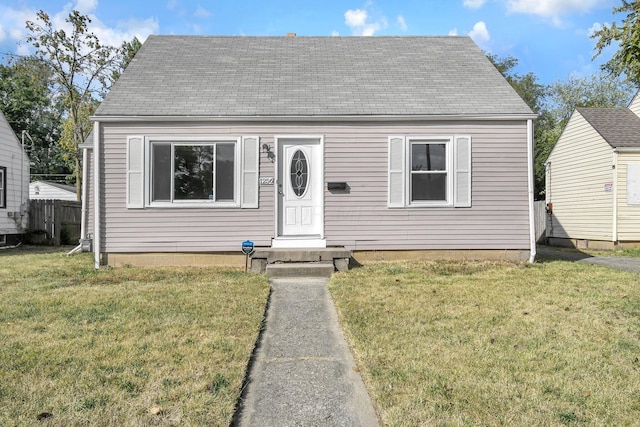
column 300, row 192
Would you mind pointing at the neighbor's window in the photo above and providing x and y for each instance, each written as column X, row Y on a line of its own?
column 196, row 172
column 3, row 186
column 429, row 171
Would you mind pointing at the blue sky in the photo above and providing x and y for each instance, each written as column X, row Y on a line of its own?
column 549, row 37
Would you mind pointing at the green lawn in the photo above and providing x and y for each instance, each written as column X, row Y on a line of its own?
column 438, row 343
column 110, row 347
column 480, row 343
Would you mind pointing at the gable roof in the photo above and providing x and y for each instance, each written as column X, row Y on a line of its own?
column 620, row 127
column 7, row 134
column 207, row 76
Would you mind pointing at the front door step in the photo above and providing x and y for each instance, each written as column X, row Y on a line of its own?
column 263, row 259
column 300, row 269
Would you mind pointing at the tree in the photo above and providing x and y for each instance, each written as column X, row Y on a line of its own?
column 29, row 105
column 600, row 90
column 82, row 71
column 534, row 94
column 626, row 60
column 127, row 51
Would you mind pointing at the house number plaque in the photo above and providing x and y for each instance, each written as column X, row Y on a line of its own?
column 267, row 180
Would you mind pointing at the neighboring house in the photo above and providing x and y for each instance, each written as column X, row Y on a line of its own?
column 46, row 190
column 375, row 144
column 14, row 185
column 593, row 180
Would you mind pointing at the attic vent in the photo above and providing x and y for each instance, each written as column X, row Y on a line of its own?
column 291, row 34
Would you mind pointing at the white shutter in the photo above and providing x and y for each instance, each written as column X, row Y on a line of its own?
column 250, row 168
column 396, row 172
column 135, row 172
column 462, row 171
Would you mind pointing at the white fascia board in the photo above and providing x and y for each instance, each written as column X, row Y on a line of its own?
column 349, row 118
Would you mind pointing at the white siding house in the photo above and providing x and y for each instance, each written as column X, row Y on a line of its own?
column 378, row 145
column 14, row 185
column 593, row 180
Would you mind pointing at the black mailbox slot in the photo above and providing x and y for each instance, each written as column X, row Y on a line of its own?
column 337, row 185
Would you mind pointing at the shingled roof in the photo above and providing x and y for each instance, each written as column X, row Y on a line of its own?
column 202, row 76
column 620, row 127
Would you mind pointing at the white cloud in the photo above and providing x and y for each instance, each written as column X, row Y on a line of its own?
column 553, row 9
column 402, row 23
column 355, row 18
column 86, row 6
column 453, row 32
column 12, row 22
column 358, row 21
column 335, row 33
column 201, row 12
column 474, row 4
column 2, row 34
column 480, row 34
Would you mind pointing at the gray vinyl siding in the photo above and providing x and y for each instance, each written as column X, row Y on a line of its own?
column 581, row 165
column 360, row 219
column 16, row 163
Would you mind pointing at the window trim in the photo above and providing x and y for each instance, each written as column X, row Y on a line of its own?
column 185, row 140
column 3, row 187
column 413, row 140
column 459, row 167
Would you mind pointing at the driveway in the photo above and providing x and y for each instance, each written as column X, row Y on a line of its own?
column 621, row 263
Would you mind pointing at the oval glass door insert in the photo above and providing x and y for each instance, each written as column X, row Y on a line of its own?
column 299, row 173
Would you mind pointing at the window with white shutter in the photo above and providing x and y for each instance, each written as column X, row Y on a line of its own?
column 192, row 172
column 429, row 171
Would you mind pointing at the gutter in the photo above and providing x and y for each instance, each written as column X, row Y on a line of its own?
column 83, row 214
column 96, row 195
column 318, row 118
column 614, row 231
column 532, row 225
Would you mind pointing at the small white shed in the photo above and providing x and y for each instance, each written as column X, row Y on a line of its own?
column 47, row 190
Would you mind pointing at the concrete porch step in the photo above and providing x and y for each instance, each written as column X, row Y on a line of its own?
column 300, row 255
column 263, row 258
column 300, row 269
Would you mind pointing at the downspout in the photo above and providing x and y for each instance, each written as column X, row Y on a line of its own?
column 614, row 235
column 85, row 190
column 532, row 225
column 96, row 195
column 83, row 214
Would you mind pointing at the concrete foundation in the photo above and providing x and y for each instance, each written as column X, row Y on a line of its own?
column 598, row 245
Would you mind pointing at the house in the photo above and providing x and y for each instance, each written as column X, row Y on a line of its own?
column 14, row 185
column 593, row 180
column 386, row 146
column 47, row 190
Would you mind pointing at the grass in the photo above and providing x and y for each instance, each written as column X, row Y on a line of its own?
column 481, row 343
column 128, row 346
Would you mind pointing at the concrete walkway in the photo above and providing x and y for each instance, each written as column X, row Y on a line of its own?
column 620, row 263
column 303, row 373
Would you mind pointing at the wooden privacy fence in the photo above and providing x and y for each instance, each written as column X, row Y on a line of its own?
column 54, row 222
column 540, row 219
